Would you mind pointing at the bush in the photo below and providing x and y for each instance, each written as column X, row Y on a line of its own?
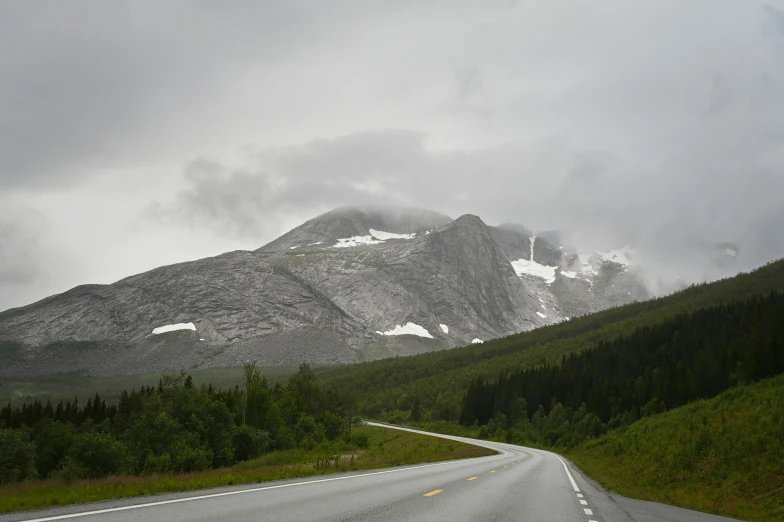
column 187, row 458
column 284, row 439
column 334, row 426
column 249, row 442
column 99, row 455
column 53, row 441
column 157, row 464
column 70, row 469
column 307, row 432
column 17, row 458
column 360, row 440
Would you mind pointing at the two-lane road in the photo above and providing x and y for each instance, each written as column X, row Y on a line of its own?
column 517, row 484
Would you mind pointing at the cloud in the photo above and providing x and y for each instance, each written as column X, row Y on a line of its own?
column 775, row 19
column 595, row 197
column 658, row 130
column 21, row 229
column 88, row 86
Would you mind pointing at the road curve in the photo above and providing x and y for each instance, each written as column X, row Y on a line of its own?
column 516, row 484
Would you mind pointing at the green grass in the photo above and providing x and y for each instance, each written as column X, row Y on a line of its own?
column 724, row 455
column 67, row 386
column 385, row 448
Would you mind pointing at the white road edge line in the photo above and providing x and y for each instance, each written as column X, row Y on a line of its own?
column 566, row 469
column 241, row 491
column 571, row 479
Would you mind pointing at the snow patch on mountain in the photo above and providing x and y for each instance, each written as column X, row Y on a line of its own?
column 623, row 256
column 586, row 267
column 375, row 237
column 540, row 314
column 174, row 327
column 477, row 341
column 348, row 242
column 383, row 236
column 524, row 266
column 570, row 275
column 408, row 329
column 444, row 328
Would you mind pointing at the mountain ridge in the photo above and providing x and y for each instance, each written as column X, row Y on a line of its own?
column 341, row 287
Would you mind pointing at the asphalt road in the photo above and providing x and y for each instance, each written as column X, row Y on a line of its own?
column 518, row 484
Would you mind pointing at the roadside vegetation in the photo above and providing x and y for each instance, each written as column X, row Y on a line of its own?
column 371, row 448
column 177, row 436
column 723, row 455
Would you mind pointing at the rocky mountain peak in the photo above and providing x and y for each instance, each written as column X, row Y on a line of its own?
column 347, row 222
column 468, row 237
column 349, row 285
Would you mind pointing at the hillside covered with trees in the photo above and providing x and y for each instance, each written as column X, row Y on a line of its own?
column 172, row 428
column 721, row 455
column 656, row 368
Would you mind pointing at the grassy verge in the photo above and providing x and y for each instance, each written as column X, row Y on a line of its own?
column 385, row 448
column 724, row 455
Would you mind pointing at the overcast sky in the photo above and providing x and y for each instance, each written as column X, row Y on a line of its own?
column 136, row 134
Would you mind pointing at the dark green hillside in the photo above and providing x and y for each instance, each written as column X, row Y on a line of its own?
column 688, row 357
column 724, row 455
column 437, row 381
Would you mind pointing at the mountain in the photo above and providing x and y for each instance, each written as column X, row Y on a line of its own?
column 386, row 388
column 354, row 222
column 350, row 285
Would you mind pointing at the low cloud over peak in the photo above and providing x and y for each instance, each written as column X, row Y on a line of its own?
column 665, row 130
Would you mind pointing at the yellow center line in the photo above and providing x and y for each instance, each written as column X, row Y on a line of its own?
column 434, row 492
column 472, row 478
column 492, row 471
column 506, row 466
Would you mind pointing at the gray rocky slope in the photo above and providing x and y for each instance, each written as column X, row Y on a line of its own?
column 350, row 285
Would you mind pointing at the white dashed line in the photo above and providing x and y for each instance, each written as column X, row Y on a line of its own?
column 583, row 502
column 580, row 495
column 588, row 511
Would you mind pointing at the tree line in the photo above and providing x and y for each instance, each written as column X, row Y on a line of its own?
column 691, row 356
column 172, row 428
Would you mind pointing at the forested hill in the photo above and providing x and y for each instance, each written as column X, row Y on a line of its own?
column 722, row 455
column 435, row 383
column 692, row 356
